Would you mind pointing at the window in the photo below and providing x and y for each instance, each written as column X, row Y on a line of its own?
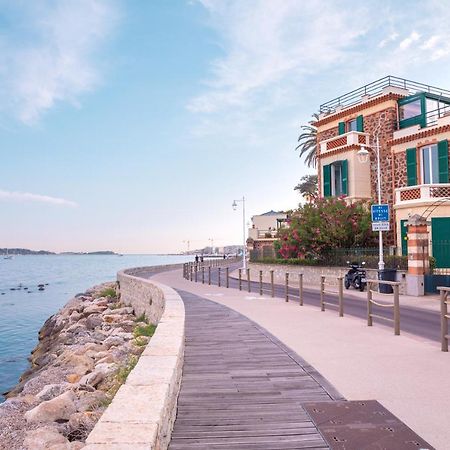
column 336, row 179
column 430, row 164
column 352, row 125
column 411, row 109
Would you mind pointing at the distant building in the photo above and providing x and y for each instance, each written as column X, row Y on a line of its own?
column 264, row 230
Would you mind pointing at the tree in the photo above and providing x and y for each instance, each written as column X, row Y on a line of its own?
column 307, row 143
column 319, row 227
column 308, row 187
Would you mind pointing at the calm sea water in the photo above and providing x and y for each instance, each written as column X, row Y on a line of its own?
column 22, row 312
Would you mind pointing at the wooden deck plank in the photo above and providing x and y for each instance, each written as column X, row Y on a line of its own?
column 241, row 389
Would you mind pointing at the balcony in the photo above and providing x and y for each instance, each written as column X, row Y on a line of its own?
column 420, row 194
column 344, row 140
column 254, row 233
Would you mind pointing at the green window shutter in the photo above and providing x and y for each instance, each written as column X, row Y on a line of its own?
column 344, row 176
column 360, row 124
column 411, row 166
column 443, row 161
column 341, row 127
column 327, row 180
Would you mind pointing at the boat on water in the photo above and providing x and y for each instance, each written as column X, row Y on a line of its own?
column 7, row 255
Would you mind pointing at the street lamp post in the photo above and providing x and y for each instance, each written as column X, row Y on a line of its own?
column 363, row 156
column 244, row 250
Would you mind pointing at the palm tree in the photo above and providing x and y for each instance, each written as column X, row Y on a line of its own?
column 308, row 187
column 307, row 142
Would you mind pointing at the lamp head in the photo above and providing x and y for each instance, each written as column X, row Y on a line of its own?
column 363, row 155
column 234, row 205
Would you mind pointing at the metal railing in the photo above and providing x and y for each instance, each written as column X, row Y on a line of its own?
column 443, row 292
column 395, row 306
column 323, row 303
column 376, row 87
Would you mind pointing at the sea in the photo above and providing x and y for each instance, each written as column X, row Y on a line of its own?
column 24, row 311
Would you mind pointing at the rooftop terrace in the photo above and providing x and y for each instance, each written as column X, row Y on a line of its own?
column 375, row 88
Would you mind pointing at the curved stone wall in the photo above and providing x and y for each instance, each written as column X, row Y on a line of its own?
column 142, row 413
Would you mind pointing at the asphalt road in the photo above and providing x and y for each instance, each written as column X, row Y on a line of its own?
column 420, row 322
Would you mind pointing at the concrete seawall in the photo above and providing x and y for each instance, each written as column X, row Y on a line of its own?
column 142, row 413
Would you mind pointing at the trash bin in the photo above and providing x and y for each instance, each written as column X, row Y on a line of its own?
column 386, row 275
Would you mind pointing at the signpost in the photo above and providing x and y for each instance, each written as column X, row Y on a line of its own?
column 380, row 217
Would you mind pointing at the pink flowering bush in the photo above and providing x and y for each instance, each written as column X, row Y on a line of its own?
column 317, row 228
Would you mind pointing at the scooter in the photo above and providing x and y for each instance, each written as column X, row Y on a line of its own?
column 356, row 276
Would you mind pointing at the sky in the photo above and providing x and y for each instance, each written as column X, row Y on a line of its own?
column 133, row 125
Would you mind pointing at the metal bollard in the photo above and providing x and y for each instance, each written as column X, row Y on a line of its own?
column 300, row 288
column 396, row 310
column 240, row 279
column 260, row 282
column 248, row 280
column 341, row 296
column 191, row 273
column 227, row 275
column 322, row 288
column 286, row 287
column 203, row 275
column 272, row 287
column 444, row 320
column 218, row 272
column 369, row 305
column 195, row 272
column 209, row 275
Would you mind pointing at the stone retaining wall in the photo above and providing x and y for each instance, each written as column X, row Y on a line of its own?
column 311, row 274
column 142, row 413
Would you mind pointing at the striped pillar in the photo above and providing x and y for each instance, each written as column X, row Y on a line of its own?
column 418, row 260
column 418, row 256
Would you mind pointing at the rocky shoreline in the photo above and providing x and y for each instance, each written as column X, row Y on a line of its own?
column 84, row 354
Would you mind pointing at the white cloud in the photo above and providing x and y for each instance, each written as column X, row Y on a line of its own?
column 272, row 42
column 48, row 56
column 28, row 197
column 413, row 37
column 391, row 38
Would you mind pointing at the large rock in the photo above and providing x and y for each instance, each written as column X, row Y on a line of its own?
column 88, row 401
column 81, row 364
column 52, row 390
column 93, row 321
column 93, row 309
column 113, row 341
column 93, row 378
column 44, row 438
column 57, row 409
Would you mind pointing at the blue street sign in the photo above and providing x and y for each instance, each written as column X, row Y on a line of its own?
column 380, row 213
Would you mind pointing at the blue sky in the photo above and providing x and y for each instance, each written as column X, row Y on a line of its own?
column 132, row 126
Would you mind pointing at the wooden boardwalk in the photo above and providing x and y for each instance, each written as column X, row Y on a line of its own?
column 241, row 387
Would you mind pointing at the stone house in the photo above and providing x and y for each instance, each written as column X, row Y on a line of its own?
column 411, row 123
column 264, row 229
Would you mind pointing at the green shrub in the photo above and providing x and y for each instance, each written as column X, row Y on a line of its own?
column 144, row 330
column 141, row 318
column 108, row 292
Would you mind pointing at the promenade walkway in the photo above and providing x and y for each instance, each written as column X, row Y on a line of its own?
column 406, row 374
column 241, row 387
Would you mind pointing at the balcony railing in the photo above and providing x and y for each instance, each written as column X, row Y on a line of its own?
column 344, row 140
column 254, row 233
column 422, row 193
column 375, row 88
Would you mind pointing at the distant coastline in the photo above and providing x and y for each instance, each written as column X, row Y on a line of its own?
column 26, row 251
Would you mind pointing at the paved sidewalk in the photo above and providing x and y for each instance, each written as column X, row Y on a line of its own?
column 408, row 375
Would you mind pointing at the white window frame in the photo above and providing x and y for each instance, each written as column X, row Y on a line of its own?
column 430, row 161
column 333, row 178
